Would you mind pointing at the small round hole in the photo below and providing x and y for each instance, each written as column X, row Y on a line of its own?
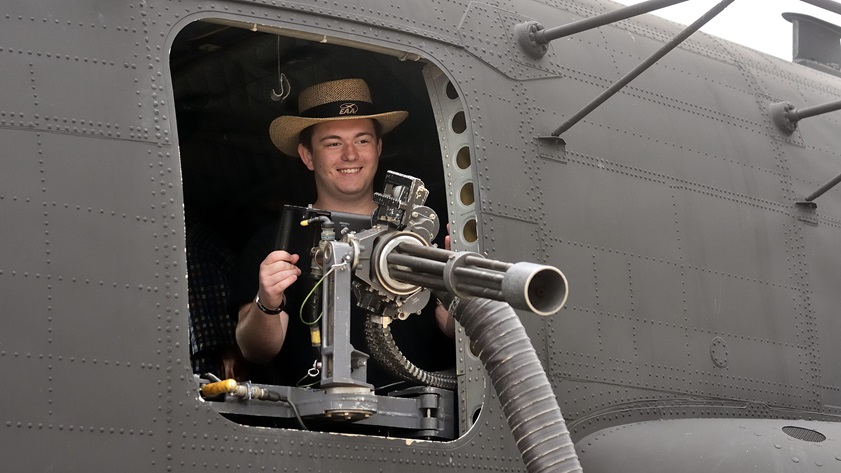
column 459, row 124
column 466, row 194
column 476, row 415
column 451, row 91
column 470, row 232
column 463, row 158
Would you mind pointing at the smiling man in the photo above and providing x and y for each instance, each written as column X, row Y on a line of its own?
column 338, row 137
column 343, row 156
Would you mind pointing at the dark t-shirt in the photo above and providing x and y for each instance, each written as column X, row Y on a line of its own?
column 418, row 337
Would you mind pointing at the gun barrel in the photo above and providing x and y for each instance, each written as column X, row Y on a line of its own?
column 539, row 288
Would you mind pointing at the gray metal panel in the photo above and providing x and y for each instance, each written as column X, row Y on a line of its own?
column 658, row 288
column 79, row 253
column 575, row 337
column 702, row 445
column 674, row 373
column 815, row 162
column 87, row 114
column 616, row 403
column 717, row 91
column 21, row 179
column 577, row 262
column 134, row 327
column 93, row 47
column 729, row 304
column 652, row 27
column 762, row 371
column 608, row 218
column 612, row 282
column 822, row 323
column 22, row 241
column 149, row 179
column 16, row 96
column 108, row 450
column 590, row 204
column 486, row 32
column 70, row 18
column 507, row 183
column 123, row 406
column 731, row 234
column 23, row 358
column 527, row 233
column 573, row 334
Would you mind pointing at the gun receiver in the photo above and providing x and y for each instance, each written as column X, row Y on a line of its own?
column 396, row 265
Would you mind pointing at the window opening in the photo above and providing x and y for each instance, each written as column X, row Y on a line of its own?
column 226, row 87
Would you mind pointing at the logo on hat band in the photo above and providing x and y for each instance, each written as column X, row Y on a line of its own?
column 348, row 109
column 339, row 109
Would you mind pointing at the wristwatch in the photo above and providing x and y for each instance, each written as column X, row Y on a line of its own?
column 270, row 311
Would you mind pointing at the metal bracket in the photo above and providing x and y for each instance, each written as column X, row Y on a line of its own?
column 418, row 412
column 552, row 147
column 781, row 116
column 807, row 212
column 344, row 367
column 526, row 36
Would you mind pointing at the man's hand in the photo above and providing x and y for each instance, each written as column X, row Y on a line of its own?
column 260, row 336
column 277, row 273
column 447, row 238
column 233, row 364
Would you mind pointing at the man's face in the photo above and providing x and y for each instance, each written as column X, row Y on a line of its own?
column 344, row 157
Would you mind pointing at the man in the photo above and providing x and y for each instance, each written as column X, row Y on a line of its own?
column 338, row 138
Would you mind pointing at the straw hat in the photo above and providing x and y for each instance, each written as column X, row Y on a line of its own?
column 329, row 101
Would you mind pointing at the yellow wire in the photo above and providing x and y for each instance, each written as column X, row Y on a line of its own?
column 301, row 317
column 301, row 309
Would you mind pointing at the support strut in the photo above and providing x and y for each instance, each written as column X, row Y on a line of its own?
column 681, row 37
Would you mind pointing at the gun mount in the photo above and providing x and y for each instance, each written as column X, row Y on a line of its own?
column 392, row 268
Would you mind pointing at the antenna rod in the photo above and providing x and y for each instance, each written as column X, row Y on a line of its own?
column 785, row 115
column 828, row 5
column 643, row 67
column 800, row 113
column 547, row 35
column 829, row 185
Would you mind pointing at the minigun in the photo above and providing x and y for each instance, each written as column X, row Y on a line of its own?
column 396, row 261
column 393, row 268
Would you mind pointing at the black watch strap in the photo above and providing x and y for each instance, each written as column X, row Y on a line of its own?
column 270, row 311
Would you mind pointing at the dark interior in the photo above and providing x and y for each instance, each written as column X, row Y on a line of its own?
column 234, row 179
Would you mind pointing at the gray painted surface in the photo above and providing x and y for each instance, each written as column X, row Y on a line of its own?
column 698, row 290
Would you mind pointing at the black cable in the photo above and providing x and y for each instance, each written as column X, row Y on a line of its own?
column 275, row 396
column 297, row 414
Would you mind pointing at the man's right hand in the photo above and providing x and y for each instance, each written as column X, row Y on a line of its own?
column 277, row 273
column 260, row 336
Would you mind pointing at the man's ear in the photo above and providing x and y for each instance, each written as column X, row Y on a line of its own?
column 306, row 156
column 379, row 147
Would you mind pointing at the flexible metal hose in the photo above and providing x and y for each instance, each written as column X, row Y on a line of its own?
column 517, row 376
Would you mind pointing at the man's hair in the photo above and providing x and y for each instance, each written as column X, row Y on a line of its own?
column 305, row 137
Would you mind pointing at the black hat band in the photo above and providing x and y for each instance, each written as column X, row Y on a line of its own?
column 345, row 108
